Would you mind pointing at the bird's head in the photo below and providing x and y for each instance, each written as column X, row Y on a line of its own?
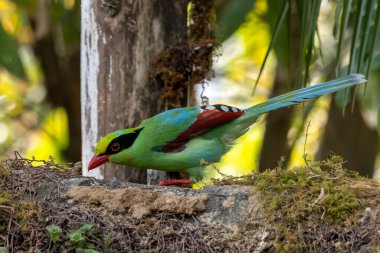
column 112, row 146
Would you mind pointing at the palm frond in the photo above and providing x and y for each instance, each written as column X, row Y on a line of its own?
column 342, row 32
column 279, row 24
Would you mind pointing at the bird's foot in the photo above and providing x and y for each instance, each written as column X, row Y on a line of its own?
column 178, row 182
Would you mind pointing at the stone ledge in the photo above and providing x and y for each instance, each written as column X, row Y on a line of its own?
column 231, row 218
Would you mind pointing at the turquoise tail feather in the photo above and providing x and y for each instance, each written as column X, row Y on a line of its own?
column 228, row 132
column 300, row 95
column 232, row 130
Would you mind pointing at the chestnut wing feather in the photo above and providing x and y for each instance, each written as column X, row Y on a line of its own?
column 209, row 117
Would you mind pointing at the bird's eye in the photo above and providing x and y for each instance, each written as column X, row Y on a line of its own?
column 115, row 147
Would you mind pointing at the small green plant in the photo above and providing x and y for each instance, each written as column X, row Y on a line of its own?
column 3, row 250
column 78, row 240
column 55, row 233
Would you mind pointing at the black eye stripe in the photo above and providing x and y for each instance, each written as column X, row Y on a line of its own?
column 125, row 141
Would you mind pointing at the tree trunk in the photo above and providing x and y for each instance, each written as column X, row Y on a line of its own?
column 119, row 41
column 350, row 137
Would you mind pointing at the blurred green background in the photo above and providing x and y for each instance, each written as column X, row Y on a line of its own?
column 309, row 42
column 39, row 79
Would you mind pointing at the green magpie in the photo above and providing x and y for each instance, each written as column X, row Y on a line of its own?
column 188, row 139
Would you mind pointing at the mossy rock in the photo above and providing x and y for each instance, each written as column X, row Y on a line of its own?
column 314, row 202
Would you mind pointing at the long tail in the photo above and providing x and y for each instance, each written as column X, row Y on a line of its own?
column 300, row 95
column 233, row 129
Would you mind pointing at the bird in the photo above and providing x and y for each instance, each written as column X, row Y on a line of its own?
column 188, row 139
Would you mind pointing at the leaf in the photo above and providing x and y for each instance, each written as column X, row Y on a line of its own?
column 276, row 32
column 365, row 35
column 91, row 251
column 55, row 232
column 85, row 228
column 55, row 237
column 353, row 65
column 338, row 7
column 3, row 250
column 375, row 58
column 375, row 61
column 342, row 32
column 282, row 50
column 90, row 246
column 9, row 57
column 360, row 13
column 309, row 34
column 76, row 237
column 378, row 120
column 53, row 229
column 230, row 14
column 341, row 97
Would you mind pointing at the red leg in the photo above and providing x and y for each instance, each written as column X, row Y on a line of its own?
column 178, row 182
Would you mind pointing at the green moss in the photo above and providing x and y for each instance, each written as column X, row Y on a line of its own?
column 21, row 210
column 322, row 191
column 312, row 201
column 5, row 209
column 4, row 172
column 5, row 198
column 321, row 195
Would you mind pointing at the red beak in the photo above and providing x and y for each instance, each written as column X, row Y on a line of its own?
column 96, row 161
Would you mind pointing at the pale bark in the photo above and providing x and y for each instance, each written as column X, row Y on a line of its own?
column 119, row 41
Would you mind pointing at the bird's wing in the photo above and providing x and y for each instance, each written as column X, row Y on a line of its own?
column 209, row 117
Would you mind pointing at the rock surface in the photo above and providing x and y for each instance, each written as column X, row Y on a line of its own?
column 139, row 202
column 226, row 206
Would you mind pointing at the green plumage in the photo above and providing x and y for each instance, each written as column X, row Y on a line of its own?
column 206, row 146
